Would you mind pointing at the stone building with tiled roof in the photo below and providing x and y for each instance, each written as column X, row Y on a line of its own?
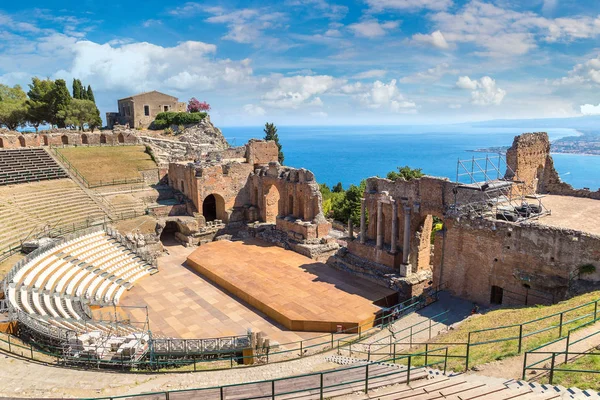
column 141, row 109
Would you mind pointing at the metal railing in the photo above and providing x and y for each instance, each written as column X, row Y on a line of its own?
column 362, row 377
column 555, row 357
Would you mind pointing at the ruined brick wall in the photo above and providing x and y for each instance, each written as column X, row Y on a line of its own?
column 261, row 152
column 290, row 198
column 527, row 159
column 530, row 160
column 524, row 260
column 425, row 197
column 66, row 137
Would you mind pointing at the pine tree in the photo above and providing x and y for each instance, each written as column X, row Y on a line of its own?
column 90, row 94
column 271, row 134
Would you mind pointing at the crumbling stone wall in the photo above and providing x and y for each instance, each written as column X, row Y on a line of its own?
column 66, row 137
column 530, row 160
column 523, row 259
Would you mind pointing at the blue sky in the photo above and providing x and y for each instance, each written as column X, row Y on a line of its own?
column 319, row 62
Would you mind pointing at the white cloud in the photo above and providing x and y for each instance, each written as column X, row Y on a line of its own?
column 372, row 73
column 455, row 106
column 253, row 109
column 409, row 5
column 143, row 66
column 380, row 96
column 430, row 75
column 587, row 73
column 372, row 28
column 435, row 39
column 151, row 22
column 464, row 82
column 245, row 25
column 319, row 114
column 321, row 8
column 484, row 91
column 590, row 109
column 297, row 91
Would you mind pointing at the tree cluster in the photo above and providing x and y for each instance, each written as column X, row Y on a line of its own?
column 169, row 118
column 342, row 205
column 48, row 102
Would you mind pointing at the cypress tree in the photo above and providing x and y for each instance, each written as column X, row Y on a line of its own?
column 90, row 94
column 271, row 134
column 76, row 89
column 60, row 100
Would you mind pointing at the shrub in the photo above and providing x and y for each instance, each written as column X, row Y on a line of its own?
column 407, row 173
column 168, row 118
column 587, row 269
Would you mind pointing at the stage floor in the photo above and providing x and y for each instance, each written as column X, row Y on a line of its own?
column 296, row 291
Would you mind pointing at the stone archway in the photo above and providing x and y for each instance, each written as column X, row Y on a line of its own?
column 213, row 207
column 22, row 141
column 45, row 138
column 121, row 138
column 84, row 139
column 1, row 143
column 271, row 204
column 102, row 138
column 64, row 139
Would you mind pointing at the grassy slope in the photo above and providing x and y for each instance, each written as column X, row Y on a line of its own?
column 109, row 162
column 482, row 354
column 580, row 380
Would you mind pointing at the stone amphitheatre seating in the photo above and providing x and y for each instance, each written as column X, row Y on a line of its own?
column 57, row 286
column 28, row 165
column 31, row 207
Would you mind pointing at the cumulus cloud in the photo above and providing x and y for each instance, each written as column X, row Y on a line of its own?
column 372, row 28
column 297, row 91
column 144, row 66
column 430, row 75
column 435, row 39
column 380, row 96
column 585, row 73
column 253, row 109
column 409, row 5
column 484, row 91
column 590, row 109
column 321, row 8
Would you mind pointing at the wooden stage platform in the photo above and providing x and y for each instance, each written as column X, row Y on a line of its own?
column 294, row 290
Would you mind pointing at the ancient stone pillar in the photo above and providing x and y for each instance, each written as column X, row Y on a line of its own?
column 379, row 225
column 394, row 226
column 350, row 229
column 363, row 210
column 405, row 268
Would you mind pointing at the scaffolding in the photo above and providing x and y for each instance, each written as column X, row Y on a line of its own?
column 487, row 187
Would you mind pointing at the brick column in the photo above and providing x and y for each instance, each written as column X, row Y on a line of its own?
column 379, row 225
column 394, row 226
column 363, row 228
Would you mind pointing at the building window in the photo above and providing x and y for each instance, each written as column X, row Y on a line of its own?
column 166, row 108
column 147, row 110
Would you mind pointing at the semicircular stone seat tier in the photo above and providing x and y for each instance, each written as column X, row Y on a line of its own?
column 55, row 286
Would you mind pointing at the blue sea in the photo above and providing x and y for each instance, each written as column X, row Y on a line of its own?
column 349, row 154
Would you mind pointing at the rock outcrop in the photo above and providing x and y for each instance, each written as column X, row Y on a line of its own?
column 194, row 142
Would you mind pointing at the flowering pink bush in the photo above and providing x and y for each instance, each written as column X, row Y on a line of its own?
column 196, row 106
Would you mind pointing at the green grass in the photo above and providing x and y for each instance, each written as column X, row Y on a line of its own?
column 505, row 346
column 106, row 163
column 579, row 380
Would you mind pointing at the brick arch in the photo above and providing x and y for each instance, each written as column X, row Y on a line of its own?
column 1, row 143
column 213, row 207
column 121, row 138
column 102, row 138
column 45, row 140
column 84, row 139
column 22, row 141
column 64, row 139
